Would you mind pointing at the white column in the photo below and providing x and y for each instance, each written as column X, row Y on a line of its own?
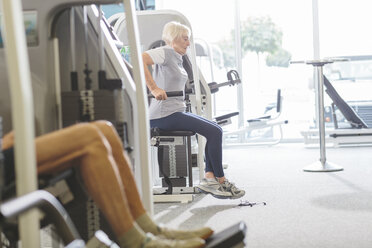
column 144, row 124
column 22, row 114
column 238, row 53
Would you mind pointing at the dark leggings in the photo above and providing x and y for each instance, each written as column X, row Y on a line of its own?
column 211, row 131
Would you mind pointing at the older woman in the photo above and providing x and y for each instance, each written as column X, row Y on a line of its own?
column 169, row 113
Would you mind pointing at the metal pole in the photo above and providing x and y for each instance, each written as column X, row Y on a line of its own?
column 73, row 73
column 322, row 165
column 319, row 71
column 22, row 114
column 100, row 41
column 72, row 39
column 316, row 42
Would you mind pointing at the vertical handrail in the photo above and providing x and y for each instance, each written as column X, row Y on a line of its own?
column 239, row 67
column 57, row 81
column 22, row 114
column 139, row 79
column 320, row 81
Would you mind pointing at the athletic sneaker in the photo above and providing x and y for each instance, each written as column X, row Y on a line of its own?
column 229, row 186
column 225, row 190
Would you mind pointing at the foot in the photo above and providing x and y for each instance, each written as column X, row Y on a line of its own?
column 230, row 187
column 152, row 241
column 203, row 233
column 225, row 190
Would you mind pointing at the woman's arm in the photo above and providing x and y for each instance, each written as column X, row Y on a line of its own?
column 158, row 93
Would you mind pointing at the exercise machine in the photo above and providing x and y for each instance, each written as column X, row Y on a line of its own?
column 359, row 133
column 56, row 73
column 266, row 124
column 44, row 48
column 151, row 24
column 174, row 159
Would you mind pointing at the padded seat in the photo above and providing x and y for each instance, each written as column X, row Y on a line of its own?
column 160, row 132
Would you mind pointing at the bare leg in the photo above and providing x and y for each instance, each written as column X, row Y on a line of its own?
column 84, row 144
column 135, row 204
column 131, row 191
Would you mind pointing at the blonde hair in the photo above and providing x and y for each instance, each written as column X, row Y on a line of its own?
column 174, row 30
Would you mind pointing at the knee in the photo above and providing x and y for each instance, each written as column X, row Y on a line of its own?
column 86, row 133
column 90, row 130
column 106, row 127
column 216, row 133
column 103, row 124
column 94, row 130
column 219, row 132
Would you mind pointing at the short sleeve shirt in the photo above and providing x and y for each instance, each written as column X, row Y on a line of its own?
column 169, row 75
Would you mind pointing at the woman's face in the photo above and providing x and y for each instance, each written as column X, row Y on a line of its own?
column 181, row 44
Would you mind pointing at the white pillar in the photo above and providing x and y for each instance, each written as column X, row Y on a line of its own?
column 142, row 102
column 238, row 53
column 22, row 114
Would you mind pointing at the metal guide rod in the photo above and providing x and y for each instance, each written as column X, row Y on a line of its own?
column 57, row 80
column 85, row 23
column 73, row 73
column 88, row 80
column 100, row 40
column 72, row 39
column 22, row 114
column 141, row 98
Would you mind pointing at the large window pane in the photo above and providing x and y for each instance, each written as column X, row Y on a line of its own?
column 343, row 31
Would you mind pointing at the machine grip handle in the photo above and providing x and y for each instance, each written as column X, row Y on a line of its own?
column 170, row 94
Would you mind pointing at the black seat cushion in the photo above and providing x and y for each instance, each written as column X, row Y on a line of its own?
column 160, row 132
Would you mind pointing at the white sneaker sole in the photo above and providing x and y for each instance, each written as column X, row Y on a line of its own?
column 206, row 190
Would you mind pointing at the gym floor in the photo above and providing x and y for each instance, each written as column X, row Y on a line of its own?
column 304, row 209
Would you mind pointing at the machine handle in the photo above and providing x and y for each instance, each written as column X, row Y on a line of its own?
column 169, row 94
column 49, row 204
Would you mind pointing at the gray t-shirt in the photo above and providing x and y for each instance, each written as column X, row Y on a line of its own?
column 169, row 75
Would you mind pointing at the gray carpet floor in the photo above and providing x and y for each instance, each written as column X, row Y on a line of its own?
column 304, row 209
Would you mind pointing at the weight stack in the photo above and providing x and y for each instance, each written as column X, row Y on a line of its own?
column 90, row 105
column 85, row 106
column 174, row 165
column 83, row 212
